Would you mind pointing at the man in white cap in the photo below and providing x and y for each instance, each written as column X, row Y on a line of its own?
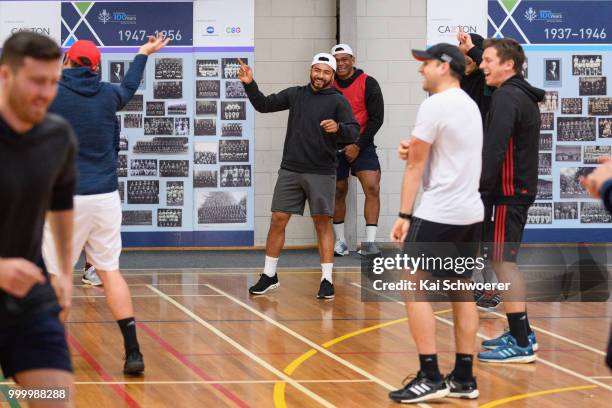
column 319, row 119
column 358, row 158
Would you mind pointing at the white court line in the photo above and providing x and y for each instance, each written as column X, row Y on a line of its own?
column 559, row 337
column 482, row 336
column 605, row 377
column 242, row 349
column 205, row 382
column 146, row 296
column 247, row 270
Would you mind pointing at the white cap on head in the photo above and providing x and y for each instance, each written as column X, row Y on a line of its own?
column 324, row 58
column 342, row 49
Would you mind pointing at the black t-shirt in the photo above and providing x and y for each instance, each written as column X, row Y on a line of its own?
column 37, row 173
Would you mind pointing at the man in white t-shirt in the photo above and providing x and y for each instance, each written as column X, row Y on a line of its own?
column 444, row 153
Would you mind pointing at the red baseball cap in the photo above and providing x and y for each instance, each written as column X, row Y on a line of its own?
column 84, row 48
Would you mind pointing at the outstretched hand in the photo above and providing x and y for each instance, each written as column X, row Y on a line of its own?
column 154, row 44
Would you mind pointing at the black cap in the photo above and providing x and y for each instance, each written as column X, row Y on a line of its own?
column 477, row 40
column 443, row 52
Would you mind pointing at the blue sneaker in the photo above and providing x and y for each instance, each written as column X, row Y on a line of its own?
column 341, row 248
column 510, row 353
column 505, row 339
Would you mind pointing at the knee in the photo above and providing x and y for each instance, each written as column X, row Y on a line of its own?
column 321, row 223
column 279, row 220
column 372, row 190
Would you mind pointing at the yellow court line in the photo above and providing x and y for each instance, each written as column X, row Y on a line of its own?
column 279, row 386
column 535, row 394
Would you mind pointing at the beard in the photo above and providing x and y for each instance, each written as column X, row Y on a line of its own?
column 23, row 108
column 319, row 84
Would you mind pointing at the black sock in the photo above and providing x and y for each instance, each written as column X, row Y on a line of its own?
column 463, row 366
column 128, row 330
column 429, row 366
column 518, row 327
column 528, row 326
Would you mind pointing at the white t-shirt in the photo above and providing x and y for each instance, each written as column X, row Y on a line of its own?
column 451, row 122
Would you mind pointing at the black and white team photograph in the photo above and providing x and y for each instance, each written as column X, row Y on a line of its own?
column 221, row 207
column 137, row 217
column 208, row 89
column 233, row 110
column 234, row 90
column 233, row 151
column 231, row 66
column 168, row 68
column 123, row 142
column 143, row 191
column 174, row 168
column 569, row 181
column 566, row 210
column 575, row 129
column 122, row 191
column 593, row 154
column 231, row 129
column 178, row 108
column 568, row 153
column 205, row 127
column 135, row 104
column 175, row 193
column 122, row 165
column 593, row 212
column 586, row 65
column 132, row 120
column 162, row 145
column 207, row 68
column 143, row 167
column 546, row 141
column 550, row 102
column 235, row 176
column 540, row 213
column 591, row 86
column 158, row 126
column 604, row 126
column 181, row 126
column 547, row 121
column 168, row 89
column 206, row 108
column 544, row 189
column 600, row 106
column 116, row 71
column 571, row 106
column 169, row 217
column 156, row 108
column 544, row 164
column 205, row 153
column 205, row 178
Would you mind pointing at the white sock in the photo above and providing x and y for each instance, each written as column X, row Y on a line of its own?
column 371, row 232
column 270, row 266
column 327, row 269
column 339, row 231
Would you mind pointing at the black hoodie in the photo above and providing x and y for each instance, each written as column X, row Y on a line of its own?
column 474, row 84
column 308, row 148
column 510, row 151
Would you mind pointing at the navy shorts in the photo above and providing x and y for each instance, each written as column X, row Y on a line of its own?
column 37, row 342
column 366, row 160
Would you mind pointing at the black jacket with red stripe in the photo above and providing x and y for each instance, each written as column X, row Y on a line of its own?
column 510, row 149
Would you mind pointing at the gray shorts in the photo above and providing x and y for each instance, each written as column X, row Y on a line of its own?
column 293, row 189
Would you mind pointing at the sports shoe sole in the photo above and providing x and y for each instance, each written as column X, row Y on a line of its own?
column 329, row 297
column 88, row 282
column 436, row 395
column 341, row 253
column 487, row 309
column 269, row 288
column 134, row 368
column 520, row 359
column 535, row 347
column 472, row 395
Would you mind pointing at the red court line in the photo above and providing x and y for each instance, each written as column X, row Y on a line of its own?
column 119, row 390
column 197, row 370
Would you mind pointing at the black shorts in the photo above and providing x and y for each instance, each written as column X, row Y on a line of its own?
column 293, row 189
column 366, row 160
column 502, row 231
column 38, row 342
column 465, row 240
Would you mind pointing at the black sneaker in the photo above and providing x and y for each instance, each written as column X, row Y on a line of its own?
column 134, row 363
column 489, row 301
column 460, row 388
column 326, row 290
column 420, row 389
column 478, row 294
column 264, row 284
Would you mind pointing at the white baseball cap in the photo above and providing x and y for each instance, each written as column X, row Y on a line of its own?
column 341, row 49
column 324, row 58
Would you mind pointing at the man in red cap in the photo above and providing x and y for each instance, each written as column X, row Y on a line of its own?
column 90, row 106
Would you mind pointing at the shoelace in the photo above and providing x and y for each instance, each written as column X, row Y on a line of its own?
column 409, row 377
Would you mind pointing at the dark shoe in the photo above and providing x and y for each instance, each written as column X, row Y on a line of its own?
column 326, row 290
column 460, row 388
column 489, row 301
column 134, row 363
column 420, row 389
column 264, row 284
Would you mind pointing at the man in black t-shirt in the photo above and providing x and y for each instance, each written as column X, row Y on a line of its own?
column 37, row 177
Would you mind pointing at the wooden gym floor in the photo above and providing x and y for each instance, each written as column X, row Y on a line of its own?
column 207, row 344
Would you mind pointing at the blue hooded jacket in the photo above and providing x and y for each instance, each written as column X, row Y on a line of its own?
column 91, row 106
